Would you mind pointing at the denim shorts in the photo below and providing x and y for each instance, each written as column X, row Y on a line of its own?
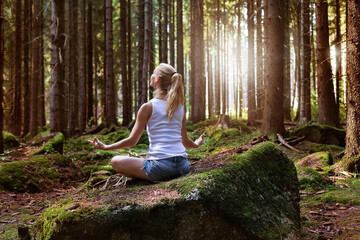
column 167, row 168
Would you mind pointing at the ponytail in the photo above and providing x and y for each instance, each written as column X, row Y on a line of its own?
column 171, row 83
column 175, row 95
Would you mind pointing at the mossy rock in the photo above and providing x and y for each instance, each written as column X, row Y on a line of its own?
column 55, row 145
column 326, row 147
column 255, row 196
column 10, row 140
column 316, row 160
column 39, row 173
column 312, row 180
column 321, row 134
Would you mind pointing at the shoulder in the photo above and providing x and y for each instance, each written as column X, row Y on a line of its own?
column 145, row 110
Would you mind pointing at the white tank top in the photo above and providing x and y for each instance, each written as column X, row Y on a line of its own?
column 164, row 135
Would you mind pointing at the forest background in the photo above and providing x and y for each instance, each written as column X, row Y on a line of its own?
column 75, row 64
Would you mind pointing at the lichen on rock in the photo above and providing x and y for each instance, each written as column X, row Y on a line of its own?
column 255, row 196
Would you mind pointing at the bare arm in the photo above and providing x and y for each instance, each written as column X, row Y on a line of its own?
column 186, row 141
column 143, row 116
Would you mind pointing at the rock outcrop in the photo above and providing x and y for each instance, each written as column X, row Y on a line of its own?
column 254, row 195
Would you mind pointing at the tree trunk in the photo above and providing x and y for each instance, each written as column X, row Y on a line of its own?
column 161, row 37
column 217, row 61
column 326, row 100
column 209, row 69
column 179, row 39
column 110, row 86
column 42, row 117
column 123, row 61
column 1, row 77
column 287, row 71
column 352, row 157
column 90, row 104
column 305, row 114
column 58, row 119
column 73, row 66
column 130, row 81
column 338, row 56
column 26, row 81
column 144, row 78
column 259, row 62
column 273, row 121
column 35, row 79
column 197, row 61
column 165, row 31
column 141, row 32
column 82, row 63
column 251, row 69
column 239, row 71
column 172, row 32
column 17, row 121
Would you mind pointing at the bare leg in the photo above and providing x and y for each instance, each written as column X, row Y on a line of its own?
column 129, row 166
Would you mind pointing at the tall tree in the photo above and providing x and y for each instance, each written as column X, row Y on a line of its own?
column 123, row 60
column 197, row 61
column 259, row 61
column 130, row 85
column 141, row 36
column 217, row 60
column 110, row 86
column 1, row 77
column 17, row 121
column 42, row 115
column 273, row 120
column 82, row 65
column 172, row 32
column 287, row 70
column 73, row 67
column 305, row 108
column 144, row 78
column 89, row 48
column 239, row 71
column 352, row 157
column 58, row 118
column 338, row 54
column 251, row 68
column 35, row 78
column 27, row 66
column 326, row 99
column 179, row 39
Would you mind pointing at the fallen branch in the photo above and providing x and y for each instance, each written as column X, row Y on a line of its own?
column 296, row 140
column 281, row 139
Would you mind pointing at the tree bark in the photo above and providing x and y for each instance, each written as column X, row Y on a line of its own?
column 326, row 100
column 130, row 82
column 90, row 104
column 179, row 39
column 239, row 64
column 1, row 77
column 42, row 114
column 144, row 83
column 73, row 67
column 338, row 56
column 35, row 79
column 217, row 61
column 273, row 121
column 259, row 62
column 17, row 121
column 141, row 31
column 110, row 86
column 197, row 61
column 172, row 32
column 251, row 69
column 58, row 119
column 26, row 81
column 287, row 70
column 82, row 63
column 352, row 156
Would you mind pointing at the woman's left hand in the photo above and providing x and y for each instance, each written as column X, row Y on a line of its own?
column 199, row 141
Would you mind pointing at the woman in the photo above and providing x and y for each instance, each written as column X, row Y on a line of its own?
column 164, row 117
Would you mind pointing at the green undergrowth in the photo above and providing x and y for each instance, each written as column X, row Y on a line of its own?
column 344, row 196
column 39, row 173
column 312, row 180
column 55, row 145
column 10, row 140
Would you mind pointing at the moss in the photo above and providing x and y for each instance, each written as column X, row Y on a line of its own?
column 325, row 148
column 40, row 172
column 55, row 145
column 77, row 144
column 90, row 169
column 310, row 179
column 338, row 196
column 10, row 140
column 255, row 196
column 321, row 134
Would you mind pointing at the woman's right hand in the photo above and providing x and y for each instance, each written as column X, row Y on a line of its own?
column 97, row 144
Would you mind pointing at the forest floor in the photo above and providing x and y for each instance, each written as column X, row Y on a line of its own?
column 330, row 197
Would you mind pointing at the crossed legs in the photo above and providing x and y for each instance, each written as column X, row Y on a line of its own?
column 129, row 166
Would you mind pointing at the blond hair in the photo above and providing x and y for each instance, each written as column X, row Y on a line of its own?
column 171, row 83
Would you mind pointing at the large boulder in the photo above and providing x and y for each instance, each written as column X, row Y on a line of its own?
column 254, row 195
column 321, row 134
